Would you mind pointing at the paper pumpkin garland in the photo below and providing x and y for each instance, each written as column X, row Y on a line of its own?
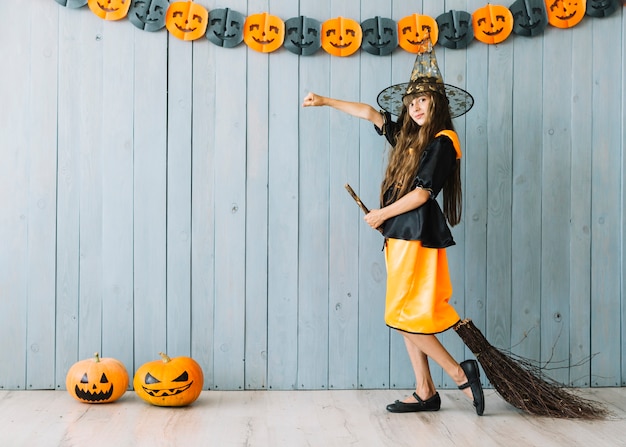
column 264, row 32
column 380, row 36
column 186, row 20
column 302, row 35
column 565, row 13
column 492, row 24
column 148, row 15
column 415, row 30
column 341, row 36
column 455, row 29
column 109, row 9
column 225, row 28
column 529, row 17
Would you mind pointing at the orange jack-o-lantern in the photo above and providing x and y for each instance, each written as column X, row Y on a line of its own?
column 97, row 380
column 565, row 13
column 169, row 382
column 264, row 32
column 492, row 23
column 186, row 20
column 109, row 9
column 341, row 36
column 414, row 32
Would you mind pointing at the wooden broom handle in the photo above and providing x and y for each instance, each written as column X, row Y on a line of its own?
column 358, row 201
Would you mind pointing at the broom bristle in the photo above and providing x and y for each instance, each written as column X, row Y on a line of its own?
column 522, row 384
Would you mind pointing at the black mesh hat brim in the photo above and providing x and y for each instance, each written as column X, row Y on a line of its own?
column 390, row 99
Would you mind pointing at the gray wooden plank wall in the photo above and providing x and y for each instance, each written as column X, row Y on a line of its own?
column 161, row 195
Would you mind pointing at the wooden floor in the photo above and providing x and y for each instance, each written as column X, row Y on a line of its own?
column 294, row 419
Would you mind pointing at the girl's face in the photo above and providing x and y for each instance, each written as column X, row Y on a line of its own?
column 419, row 109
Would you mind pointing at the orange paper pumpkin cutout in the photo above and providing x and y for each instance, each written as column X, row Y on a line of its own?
column 565, row 13
column 186, row 20
column 109, row 9
column 414, row 30
column 264, row 32
column 341, row 36
column 492, row 23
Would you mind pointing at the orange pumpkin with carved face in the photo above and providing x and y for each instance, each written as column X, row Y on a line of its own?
column 264, row 32
column 97, row 380
column 414, row 32
column 169, row 382
column 341, row 36
column 492, row 23
column 186, row 20
column 565, row 13
column 109, row 9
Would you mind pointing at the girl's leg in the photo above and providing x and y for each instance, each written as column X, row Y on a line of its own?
column 424, row 386
column 429, row 346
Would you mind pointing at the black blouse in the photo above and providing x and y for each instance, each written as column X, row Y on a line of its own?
column 426, row 223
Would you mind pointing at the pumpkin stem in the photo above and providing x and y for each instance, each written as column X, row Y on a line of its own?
column 164, row 357
column 97, row 357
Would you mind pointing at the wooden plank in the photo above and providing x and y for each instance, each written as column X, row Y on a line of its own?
column 70, row 132
column 41, row 180
column 203, row 190
column 117, row 192
column 260, row 98
column 475, row 193
column 580, row 228
column 373, row 336
column 526, row 211
column 89, row 114
column 556, row 173
column 150, row 196
column 14, row 224
column 179, row 123
column 230, row 215
column 280, row 73
column 343, row 306
column 499, row 194
column 605, row 200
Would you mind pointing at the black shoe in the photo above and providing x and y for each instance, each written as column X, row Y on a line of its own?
column 473, row 380
column 432, row 404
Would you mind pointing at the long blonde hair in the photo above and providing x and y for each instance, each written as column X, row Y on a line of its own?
column 404, row 157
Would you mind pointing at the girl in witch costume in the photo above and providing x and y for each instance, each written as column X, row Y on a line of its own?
column 423, row 161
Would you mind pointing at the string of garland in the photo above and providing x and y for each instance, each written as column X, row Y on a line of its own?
column 339, row 36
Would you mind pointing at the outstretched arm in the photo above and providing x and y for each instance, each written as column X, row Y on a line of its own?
column 357, row 109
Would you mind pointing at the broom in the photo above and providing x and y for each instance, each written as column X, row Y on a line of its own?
column 516, row 379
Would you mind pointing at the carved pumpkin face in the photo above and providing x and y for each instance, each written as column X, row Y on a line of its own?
column 148, row 15
column 72, row 3
column 601, row 8
column 455, row 29
column 529, row 17
column 414, row 31
column 380, row 36
column 302, row 35
column 341, row 36
column 97, row 380
column 109, row 9
column 565, row 13
column 169, row 382
column 492, row 23
column 264, row 32
column 186, row 20
column 225, row 27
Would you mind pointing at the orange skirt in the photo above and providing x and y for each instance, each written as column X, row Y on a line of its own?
column 418, row 288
